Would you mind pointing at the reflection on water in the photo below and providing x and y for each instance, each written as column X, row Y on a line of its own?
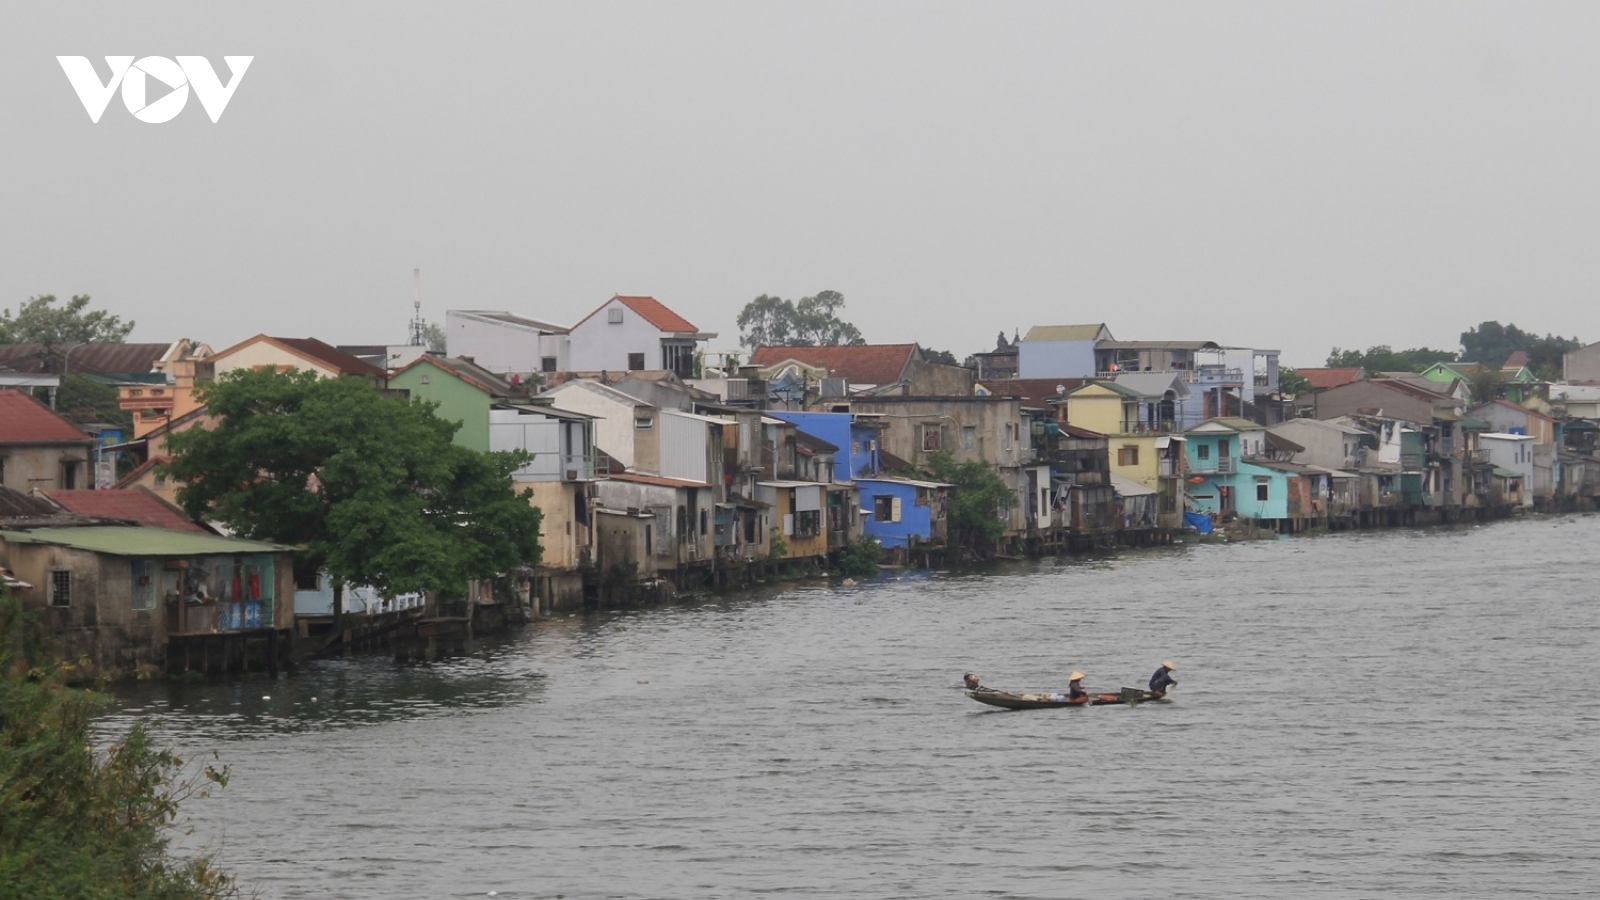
column 1358, row 715
column 328, row 694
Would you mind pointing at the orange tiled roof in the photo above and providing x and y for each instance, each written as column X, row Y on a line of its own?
column 875, row 364
column 1322, row 379
column 652, row 310
column 24, row 420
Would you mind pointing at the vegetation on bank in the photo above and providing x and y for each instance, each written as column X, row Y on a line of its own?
column 76, row 824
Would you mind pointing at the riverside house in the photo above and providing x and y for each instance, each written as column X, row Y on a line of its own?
column 131, row 598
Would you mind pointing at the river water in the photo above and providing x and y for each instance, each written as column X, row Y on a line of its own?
column 1401, row 713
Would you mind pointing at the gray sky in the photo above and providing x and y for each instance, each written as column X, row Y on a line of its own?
column 1287, row 175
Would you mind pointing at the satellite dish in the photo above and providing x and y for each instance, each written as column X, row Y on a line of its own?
column 1061, row 389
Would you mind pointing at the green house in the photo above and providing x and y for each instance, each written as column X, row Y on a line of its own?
column 463, row 390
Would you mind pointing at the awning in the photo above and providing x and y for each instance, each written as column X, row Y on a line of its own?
column 1127, row 487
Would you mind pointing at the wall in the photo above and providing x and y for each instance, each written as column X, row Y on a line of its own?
column 916, row 522
column 1326, row 445
column 1350, row 399
column 596, row 344
column 458, row 402
column 989, row 417
column 686, row 443
column 786, row 501
column 29, row 466
column 1055, row 359
column 1097, row 408
column 503, row 347
column 1514, row 452
column 265, row 354
column 1582, row 364
column 614, row 430
column 560, row 533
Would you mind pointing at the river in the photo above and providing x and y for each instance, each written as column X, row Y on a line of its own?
column 1400, row 713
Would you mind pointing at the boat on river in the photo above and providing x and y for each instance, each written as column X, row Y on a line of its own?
column 1008, row 700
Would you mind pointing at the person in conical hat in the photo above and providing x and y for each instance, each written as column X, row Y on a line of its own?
column 1075, row 691
column 1162, row 680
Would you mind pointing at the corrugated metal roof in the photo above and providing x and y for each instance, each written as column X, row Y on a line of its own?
column 1153, row 384
column 135, row 504
column 509, row 318
column 131, row 540
column 911, row 481
column 1157, row 345
column 87, row 358
column 1067, row 333
column 1127, row 487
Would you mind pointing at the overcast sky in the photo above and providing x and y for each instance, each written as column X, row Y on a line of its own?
column 1286, row 175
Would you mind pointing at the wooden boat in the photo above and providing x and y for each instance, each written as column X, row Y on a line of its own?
column 1008, row 700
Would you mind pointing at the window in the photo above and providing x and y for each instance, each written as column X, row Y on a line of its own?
column 1006, row 439
column 1261, row 488
column 644, row 420
column 69, row 474
column 808, row 523
column 702, row 522
column 547, row 364
column 144, row 591
column 1202, row 451
column 1128, row 455
column 614, row 315
column 883, row 507
column 635, row 362
column 969, row 437
column 60, row 587
column 932, row 437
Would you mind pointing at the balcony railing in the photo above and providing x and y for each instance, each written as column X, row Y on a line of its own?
column 1134, row 426
column 1223, row 466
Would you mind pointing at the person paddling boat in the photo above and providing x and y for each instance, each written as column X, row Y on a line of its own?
column 1162, row 680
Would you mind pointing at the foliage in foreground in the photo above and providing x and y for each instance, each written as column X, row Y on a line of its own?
column 38, row 320
column 78, row 825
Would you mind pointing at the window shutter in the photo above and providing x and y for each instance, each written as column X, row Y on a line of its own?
column 894, row 509
column 788, row 525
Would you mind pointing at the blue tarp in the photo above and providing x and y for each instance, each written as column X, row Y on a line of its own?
column 1198, row 521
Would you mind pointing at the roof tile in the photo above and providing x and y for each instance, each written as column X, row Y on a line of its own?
column 24, row 420
column 875, row 364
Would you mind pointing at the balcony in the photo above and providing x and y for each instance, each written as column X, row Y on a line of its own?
column 1224, row 466
column 1134, row 426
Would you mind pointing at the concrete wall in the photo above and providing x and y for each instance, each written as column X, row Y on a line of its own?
column 1582, row 364
column 1055, row 359
column 990, row 418
column 1326, row 445
column 598, row 344
column 614, row 429
column 266, row 355
column 24, row 467
column 503, row 347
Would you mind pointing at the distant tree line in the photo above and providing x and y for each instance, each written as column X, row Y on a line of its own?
column 1488, row 344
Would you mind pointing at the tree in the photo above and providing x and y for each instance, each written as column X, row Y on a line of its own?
column 940, row 356
column 372, row 488
column 433, row 335
column 814, row 321
column 1292, row 383
column 1383, row 358
column 1491, row 344
column 39, row 321
column 74, row 823
column 977, row 498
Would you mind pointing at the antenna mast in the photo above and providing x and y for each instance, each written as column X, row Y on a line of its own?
column 419, row 328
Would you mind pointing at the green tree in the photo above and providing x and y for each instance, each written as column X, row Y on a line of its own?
column 1383, row 358
column 79, row 824
column 434, row 335
column 84, row 399
column 940, row 356
column 978, row 498
column 1292, row 383
column 39, row 320
column 812, row 322
column 370, row 487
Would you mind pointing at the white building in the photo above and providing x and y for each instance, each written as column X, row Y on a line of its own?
column 629, row 334
column 506, row 343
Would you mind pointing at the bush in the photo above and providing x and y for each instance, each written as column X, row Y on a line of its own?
column 77, row 824
column 860, row 558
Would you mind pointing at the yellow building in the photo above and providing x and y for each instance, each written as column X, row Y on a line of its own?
column 1141, row 444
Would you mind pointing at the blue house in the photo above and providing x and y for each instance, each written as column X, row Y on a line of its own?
column 1062, row 351
column 902, row 513
column 857, row 438
column 1220, row 480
